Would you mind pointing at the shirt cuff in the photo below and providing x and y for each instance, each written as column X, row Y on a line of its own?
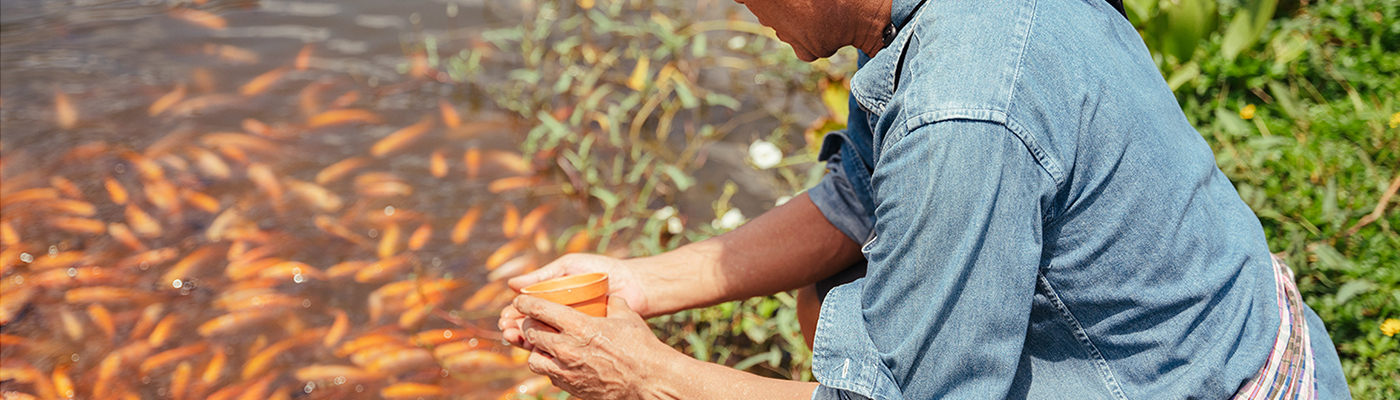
column 845, row 360
column 837, row 200
column 824, row 392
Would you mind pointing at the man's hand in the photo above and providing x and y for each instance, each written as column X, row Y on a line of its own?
column 596, row 358
column 622, row 282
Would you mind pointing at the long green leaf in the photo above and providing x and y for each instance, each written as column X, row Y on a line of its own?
column 1246, row 27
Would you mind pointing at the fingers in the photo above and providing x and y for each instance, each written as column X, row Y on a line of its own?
column 541, row 337
column 550, row 313
column 510, row 325
column 544, row 364
column 618, row 308
column 551, row 271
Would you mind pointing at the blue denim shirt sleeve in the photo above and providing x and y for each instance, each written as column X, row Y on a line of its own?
column 838, row 200
column 952, row 272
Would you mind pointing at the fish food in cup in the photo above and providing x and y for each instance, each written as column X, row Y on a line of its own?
column 587, row 293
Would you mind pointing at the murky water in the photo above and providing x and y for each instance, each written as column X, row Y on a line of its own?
column 247, row 198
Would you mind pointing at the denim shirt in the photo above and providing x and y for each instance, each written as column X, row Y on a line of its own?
column 1040, row 221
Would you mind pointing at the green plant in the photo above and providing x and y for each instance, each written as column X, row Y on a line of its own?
column 623, row 97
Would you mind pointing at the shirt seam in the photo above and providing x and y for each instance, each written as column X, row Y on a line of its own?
column 1042, row 158
column 1100, row 363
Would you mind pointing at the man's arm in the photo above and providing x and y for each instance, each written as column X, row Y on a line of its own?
column 617, row 357
column 788, row 247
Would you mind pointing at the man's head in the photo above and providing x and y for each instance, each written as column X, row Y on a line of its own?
column 818, row 28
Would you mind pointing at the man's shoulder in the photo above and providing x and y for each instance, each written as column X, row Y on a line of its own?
column 964, row 55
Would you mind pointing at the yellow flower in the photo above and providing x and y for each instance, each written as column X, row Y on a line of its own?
column 1247, row 112
column 1395, row 120
column 1390, row 327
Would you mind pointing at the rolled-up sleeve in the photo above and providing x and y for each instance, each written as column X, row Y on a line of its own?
column 836, row 195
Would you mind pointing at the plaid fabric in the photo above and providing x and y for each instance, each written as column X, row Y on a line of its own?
column 1289, row 372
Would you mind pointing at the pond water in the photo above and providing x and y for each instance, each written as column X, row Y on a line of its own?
column 248, row 199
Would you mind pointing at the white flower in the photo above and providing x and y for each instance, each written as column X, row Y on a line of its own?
column 736, row 42
column 664, row 213
column 765, row 155
column 782, row 200
column 674, row 225
column 730, row 220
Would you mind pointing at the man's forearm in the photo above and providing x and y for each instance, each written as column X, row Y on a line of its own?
column 788, row 247
column 691, row 379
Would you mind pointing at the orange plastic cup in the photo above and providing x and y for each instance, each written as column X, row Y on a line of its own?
column 587, row 293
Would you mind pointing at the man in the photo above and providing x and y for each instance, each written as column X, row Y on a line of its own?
column 1039, row 220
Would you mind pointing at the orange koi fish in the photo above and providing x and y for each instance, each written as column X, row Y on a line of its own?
column 403, row 360
column 577, row 243
column 345, row 269
column 337, row 331
column 8, row 235
column 462, row 231
column 199, row 17
column 180, row 380
column 116, row 190
column 107, row 370
column 450, row 118
column 142, row 223
column 66, row 187
column 401, row 138
column 510, row 161
column 346, row 99
column 126, row 237
column 303, row 59
column 511, row 221
column 513, row 183
column 209, row 163
column 30, row 195
column 64, row 113
column 261, row 83
column 389, row 242
column 506, row 252
column 187, row 266
column 329, row 225
column 149, row 316
column 215, row 368
column 384, row 269
column 234, row 321
column 162, row 331
column 71, row 325
column 531, row 221
column 266, row 180
column 338, row 170
column 321, row 372
column 103, row 319
column 167, row 100
column 409, row 390
column 420, row 237
column 170, row 356
column 317, row 196
column 79, row 225
column 343, row 116
column 486, row 296
column 201, row 201
column 473, row 161
column 437, row 164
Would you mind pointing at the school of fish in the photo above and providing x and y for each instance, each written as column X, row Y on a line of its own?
column 208, row 265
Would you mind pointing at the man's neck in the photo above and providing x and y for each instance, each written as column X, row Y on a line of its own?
column 869, row 19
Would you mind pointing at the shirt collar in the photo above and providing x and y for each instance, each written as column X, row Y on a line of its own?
column 900, row 11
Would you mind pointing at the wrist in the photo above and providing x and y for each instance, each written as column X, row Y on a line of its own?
column 673, row 281
column 666, row 374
